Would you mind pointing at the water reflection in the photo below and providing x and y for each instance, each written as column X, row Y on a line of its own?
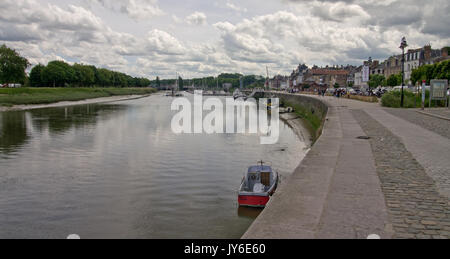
column 61, row 120
column 247, row 212
column 13, row 131
column 18, row 126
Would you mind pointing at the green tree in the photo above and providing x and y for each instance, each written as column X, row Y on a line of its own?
column 36, row 76
column 428, row 72
column 84, row 74
column 394, row 80
column 418, row 75
column 180, row 83
column 158, row 82
column 104, row 77
column 54, row 74
column 122, row 80
column 336, row 85
column 12, row 66
column 376, row 80
column 442, row 70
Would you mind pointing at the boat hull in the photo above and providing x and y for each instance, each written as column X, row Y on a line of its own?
column 253, row 201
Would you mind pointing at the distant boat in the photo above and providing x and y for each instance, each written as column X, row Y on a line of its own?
column 258, row 184
column 238, row 94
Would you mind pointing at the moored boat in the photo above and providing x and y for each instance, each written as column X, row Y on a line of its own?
column 258, row 184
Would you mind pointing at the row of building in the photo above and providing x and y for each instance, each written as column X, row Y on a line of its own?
column 345, row 76
column 414, row 59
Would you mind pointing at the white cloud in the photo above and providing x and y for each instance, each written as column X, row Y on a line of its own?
column 142, row 9
column 234, row 7
column 339, row 11
column 139, row 10
column 196, row 18
column 163, row 43
column 274, row 34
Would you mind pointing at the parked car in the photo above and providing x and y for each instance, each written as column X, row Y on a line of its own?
column 399, row 88
column 331, row 91
column 12, row 85
column 351, row 91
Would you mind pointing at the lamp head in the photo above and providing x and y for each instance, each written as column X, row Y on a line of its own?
column 404, row 44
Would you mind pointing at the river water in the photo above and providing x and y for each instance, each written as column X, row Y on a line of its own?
column 116, row 170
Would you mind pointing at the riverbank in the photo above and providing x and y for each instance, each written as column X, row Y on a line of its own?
column 300, row 127
column 35, row 98
column 28, row 96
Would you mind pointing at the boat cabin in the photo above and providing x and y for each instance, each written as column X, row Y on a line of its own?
column 259, row 179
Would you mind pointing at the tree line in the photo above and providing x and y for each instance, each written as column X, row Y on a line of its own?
column 213, row 82
column 61, row 74
column 429, row 72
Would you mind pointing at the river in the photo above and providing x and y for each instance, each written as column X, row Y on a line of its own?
column 116, row 170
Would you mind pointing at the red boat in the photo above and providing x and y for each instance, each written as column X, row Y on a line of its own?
column 259, row 183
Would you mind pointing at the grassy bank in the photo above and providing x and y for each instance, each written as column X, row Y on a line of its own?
column 18, row 96
column 393, row 100
column 313, row 121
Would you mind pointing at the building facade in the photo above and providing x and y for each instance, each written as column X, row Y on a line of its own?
column 297, row 76
column 327, row 77
column 393, row 66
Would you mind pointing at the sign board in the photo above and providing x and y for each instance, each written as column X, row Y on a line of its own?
column 438, row 90
column 365, row 74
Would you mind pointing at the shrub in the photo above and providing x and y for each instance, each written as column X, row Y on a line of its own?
column 393, row 99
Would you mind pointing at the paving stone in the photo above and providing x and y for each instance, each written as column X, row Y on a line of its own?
column 439, row 126
column 416, row 207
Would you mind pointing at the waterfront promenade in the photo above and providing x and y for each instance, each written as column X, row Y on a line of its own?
column 396, row 184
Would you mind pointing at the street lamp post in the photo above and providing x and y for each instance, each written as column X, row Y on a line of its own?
column 403, row 45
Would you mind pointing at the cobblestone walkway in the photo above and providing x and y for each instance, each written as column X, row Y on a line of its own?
column 415, row 207
column 436, row 125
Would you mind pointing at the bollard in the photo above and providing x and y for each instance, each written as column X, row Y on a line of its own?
column 424, row 91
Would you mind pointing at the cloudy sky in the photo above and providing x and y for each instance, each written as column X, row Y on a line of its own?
column 207, row 37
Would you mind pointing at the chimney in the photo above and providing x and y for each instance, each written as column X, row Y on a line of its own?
column 444, row 52
column 427, row 50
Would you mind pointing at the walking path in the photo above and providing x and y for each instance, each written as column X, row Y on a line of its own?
column 395, row 185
